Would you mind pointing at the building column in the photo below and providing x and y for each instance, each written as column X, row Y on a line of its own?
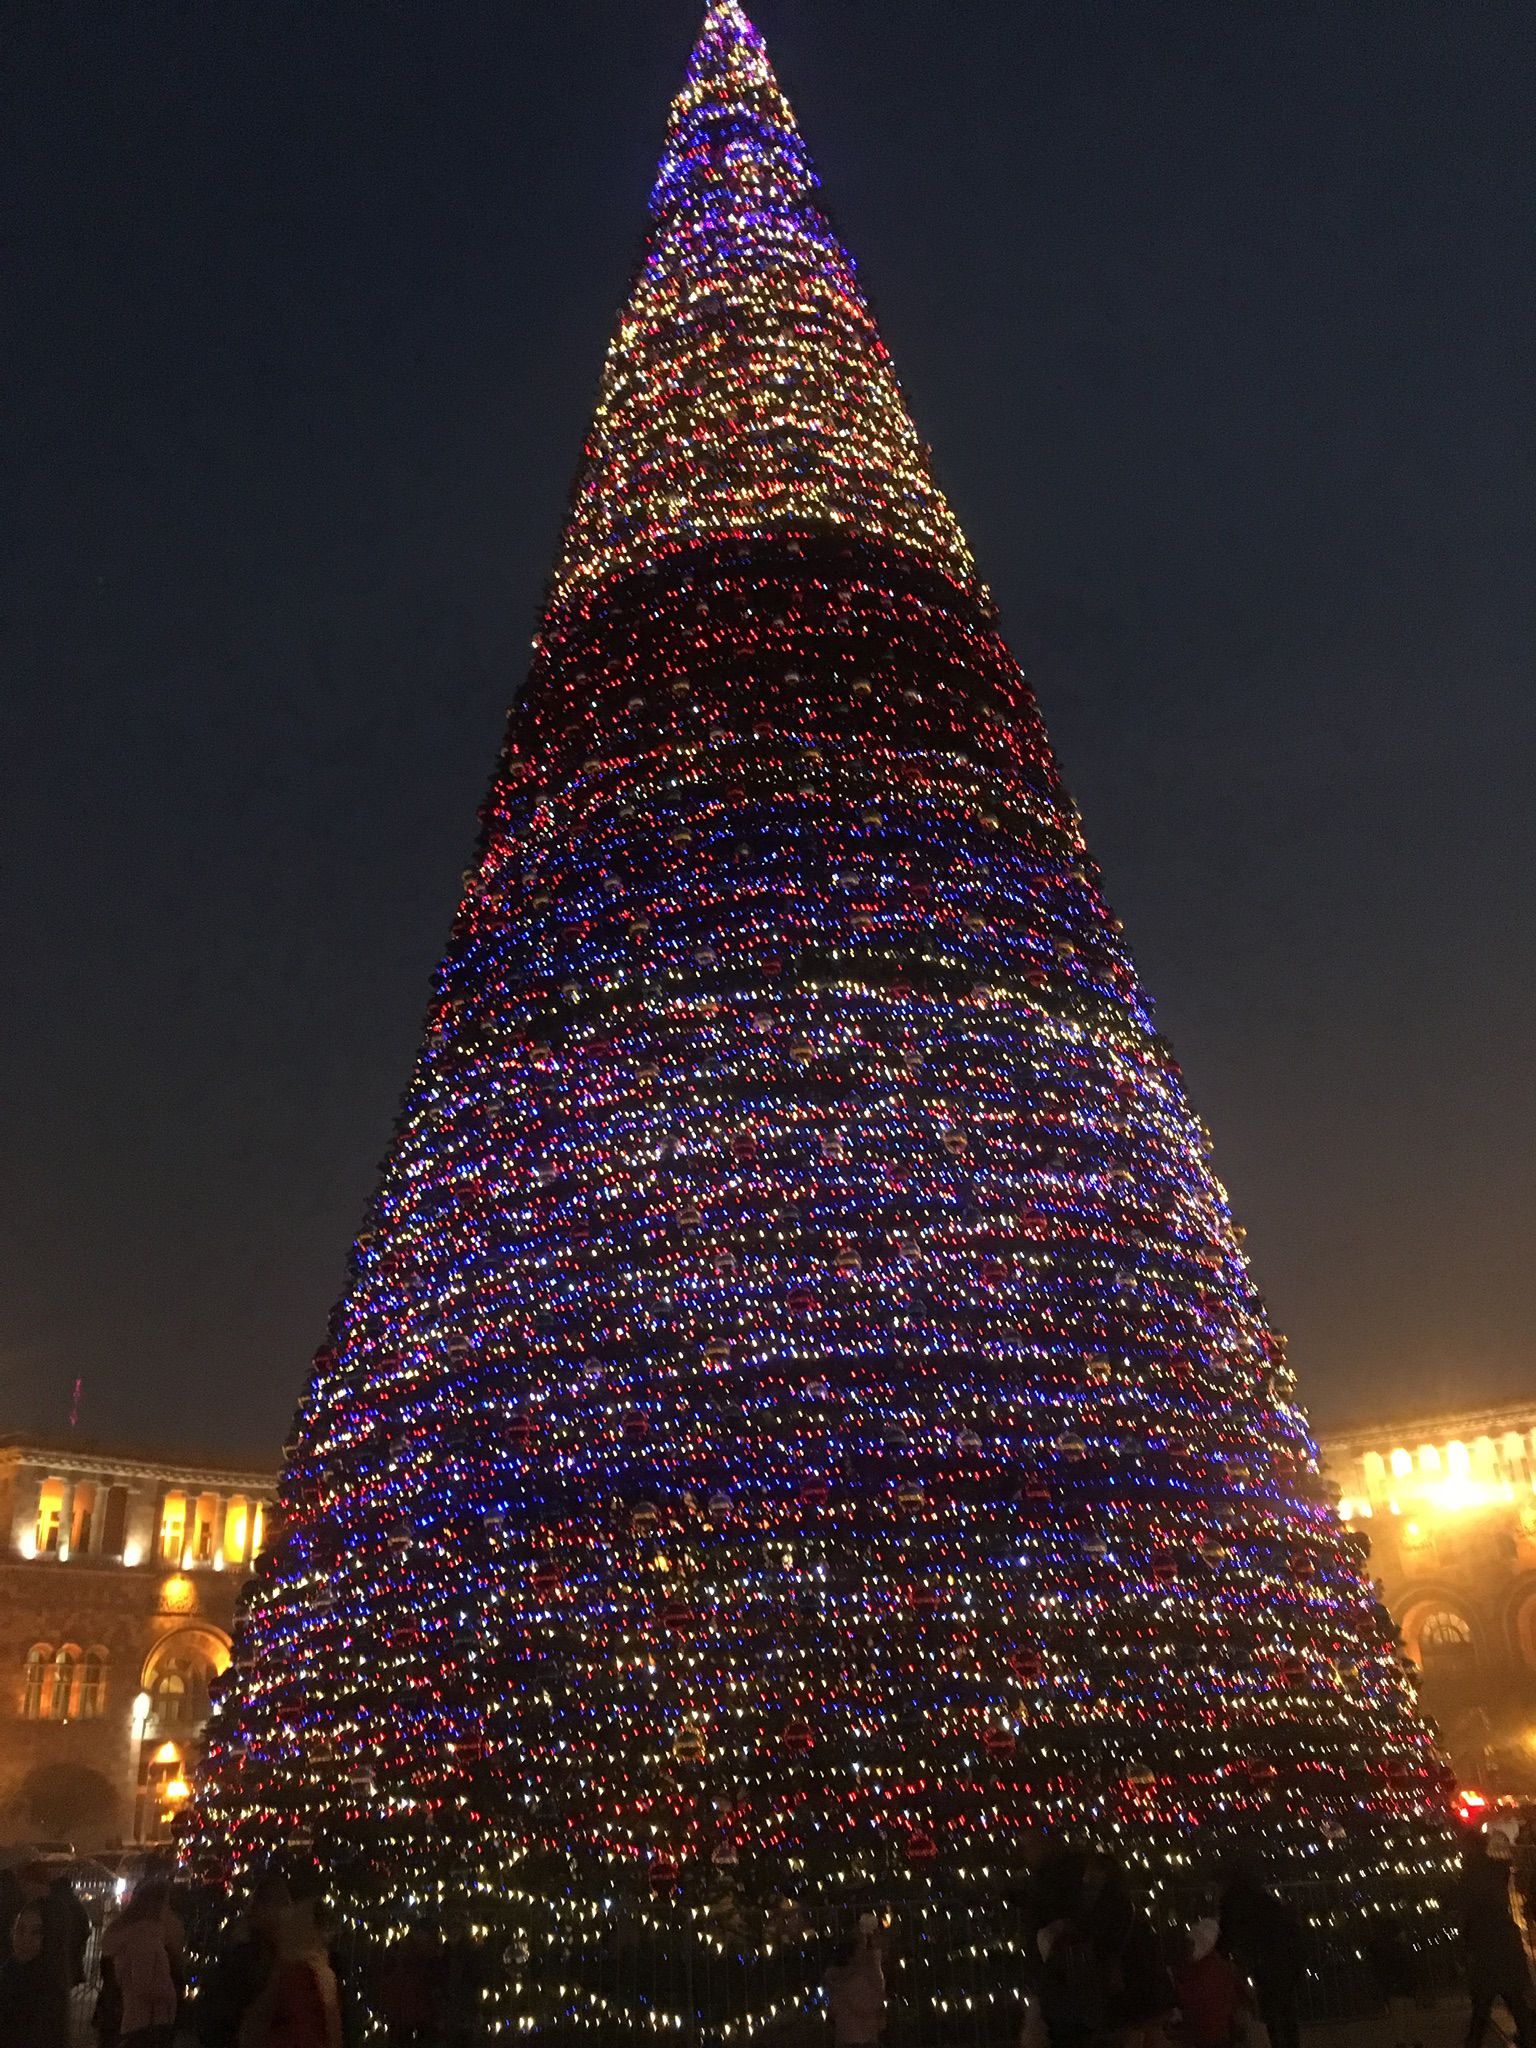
column 98, row 1516
column 142, row 1528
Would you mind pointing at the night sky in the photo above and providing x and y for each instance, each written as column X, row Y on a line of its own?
column 1221, row 320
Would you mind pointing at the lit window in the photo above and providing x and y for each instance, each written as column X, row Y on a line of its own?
column 38, row 1660
column 50, row 1512
column 170, row 1697
column 93, row 1686
column 1402, row 1463
column 1459, row 1460
column 64, row 1667
column 1445, row 1641
column 1429, row 1458
column 173, row 1527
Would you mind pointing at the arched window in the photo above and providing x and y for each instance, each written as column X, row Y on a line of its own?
column 93, row 1685
column 180, row 1692
column 178, row 1676
column 170, row 1696
column 1445, row 1641
column 65, row 1665
column 39, row 1659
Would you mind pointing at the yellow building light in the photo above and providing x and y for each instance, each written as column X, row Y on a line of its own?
column 1402, row 1463
column 1461, row 1493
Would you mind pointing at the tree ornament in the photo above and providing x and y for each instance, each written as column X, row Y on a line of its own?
column 688, row 1744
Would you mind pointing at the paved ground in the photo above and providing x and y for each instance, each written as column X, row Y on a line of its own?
column 1443, row 2025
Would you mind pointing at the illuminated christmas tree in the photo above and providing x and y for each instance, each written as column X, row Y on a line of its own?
column 800, row 1417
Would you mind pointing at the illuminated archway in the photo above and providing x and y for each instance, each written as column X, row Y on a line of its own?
column 178, row 1672
column 1440, row 1636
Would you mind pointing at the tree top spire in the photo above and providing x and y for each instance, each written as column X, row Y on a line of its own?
column 746, row 390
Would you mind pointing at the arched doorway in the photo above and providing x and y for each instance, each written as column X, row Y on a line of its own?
column 173, row 1701
column 1440, row 1638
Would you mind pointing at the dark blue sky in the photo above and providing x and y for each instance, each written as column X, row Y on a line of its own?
column 1221, row 320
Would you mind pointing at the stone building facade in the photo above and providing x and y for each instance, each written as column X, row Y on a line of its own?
column 119, row 1572
column 1449, row 1507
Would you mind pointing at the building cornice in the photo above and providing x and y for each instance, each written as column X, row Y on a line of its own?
column 91, row 1458
column 1453, row 1425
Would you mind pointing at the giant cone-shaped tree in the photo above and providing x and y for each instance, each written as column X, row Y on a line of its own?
column 800, row 1418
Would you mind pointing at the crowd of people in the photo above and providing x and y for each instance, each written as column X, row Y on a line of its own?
column 1097, row 1972
column 1100, row 1974
column 1106, row 1974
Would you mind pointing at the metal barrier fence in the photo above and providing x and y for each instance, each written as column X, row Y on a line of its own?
column 956, row 1968
column 956, row 1972
column 95, row 1888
